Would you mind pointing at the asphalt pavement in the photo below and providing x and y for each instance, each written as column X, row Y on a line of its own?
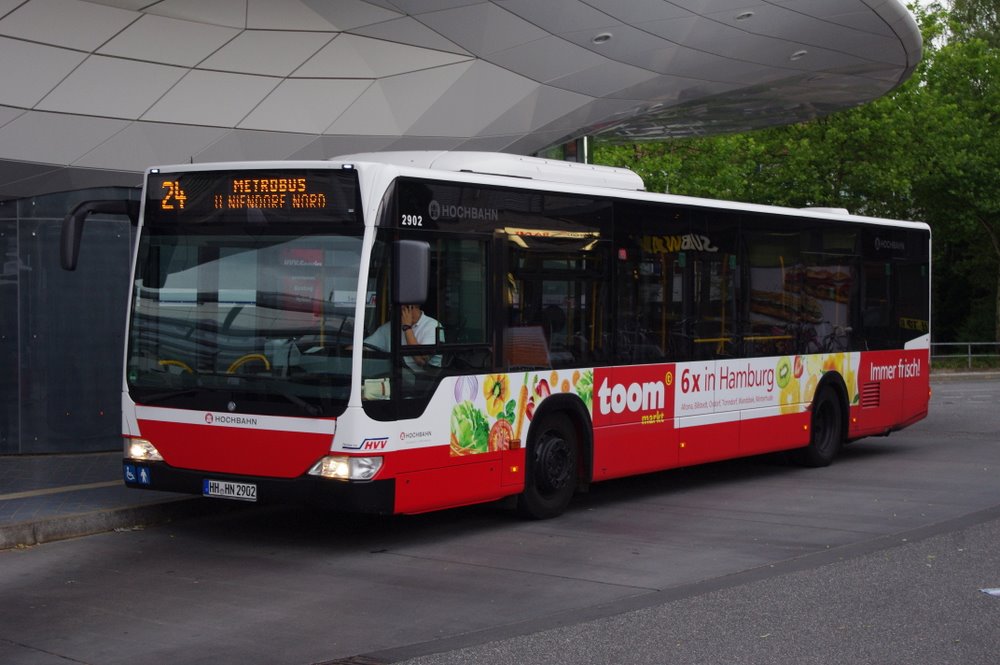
column 929, row 594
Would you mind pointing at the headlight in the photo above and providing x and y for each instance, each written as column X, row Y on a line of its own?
column 342, row 467
column 142, row 450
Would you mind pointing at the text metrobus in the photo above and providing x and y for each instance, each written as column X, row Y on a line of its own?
column 575, row 329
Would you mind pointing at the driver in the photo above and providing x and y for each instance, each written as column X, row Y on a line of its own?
column 415, row 328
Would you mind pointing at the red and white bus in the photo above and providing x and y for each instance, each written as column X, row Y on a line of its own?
column 574, row 329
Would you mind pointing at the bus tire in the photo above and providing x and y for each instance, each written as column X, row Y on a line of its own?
column 827, row 436
column 551, row 468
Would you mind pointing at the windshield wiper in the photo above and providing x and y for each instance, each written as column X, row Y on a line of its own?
column 167, row 395
column 277, row 388
column 296, row 400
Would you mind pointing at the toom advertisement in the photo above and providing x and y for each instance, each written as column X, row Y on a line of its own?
column 642, row 395
column 752, row 385
column 492, row 412
column 646, row 402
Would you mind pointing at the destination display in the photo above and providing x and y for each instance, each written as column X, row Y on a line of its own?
column 181, row 195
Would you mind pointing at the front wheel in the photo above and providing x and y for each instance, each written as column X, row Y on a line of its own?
column 551, row 469
column 827, row 429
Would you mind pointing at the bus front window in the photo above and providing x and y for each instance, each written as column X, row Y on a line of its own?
column 244, row 293
column 263, row 321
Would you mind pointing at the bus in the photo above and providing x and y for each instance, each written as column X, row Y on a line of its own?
column 573, row 328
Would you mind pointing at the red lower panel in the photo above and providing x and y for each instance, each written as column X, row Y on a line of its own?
column 894, row 389
column 623, row 450
column 239, row 451
column 447, row 487
column 708, row 443
column 766, row 435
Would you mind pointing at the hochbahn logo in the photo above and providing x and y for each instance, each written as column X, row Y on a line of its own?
column 437, row 210
column 226, row 419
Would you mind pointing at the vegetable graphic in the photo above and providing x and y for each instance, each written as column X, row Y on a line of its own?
column 585, row 388
column 500, row 436
column 522, row 405
column 469, row 430
column 465, row 388
column 540, row 392
column 496, row 390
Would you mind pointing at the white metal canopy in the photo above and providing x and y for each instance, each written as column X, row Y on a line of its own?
column 94, row 91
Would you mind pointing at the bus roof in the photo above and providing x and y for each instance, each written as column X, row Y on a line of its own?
column 511, row 166
column 473, row 166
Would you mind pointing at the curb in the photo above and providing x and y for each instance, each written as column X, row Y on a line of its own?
column 26, row 534
column 962, row 375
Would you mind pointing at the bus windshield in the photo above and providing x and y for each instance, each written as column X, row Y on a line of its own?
column 243, row 302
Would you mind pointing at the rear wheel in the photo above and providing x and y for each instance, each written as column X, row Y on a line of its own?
column 827, row 429
column 551, row 469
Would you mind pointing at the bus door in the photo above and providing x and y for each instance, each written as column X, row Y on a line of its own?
column 711, row 430
column 553, row 285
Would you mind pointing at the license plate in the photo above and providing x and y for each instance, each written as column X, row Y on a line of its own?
column 226, row 489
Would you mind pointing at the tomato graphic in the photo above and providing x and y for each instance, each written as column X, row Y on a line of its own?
column 501, row 434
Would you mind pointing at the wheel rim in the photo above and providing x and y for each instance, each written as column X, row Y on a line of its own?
column 826, row 426
column 553, row 463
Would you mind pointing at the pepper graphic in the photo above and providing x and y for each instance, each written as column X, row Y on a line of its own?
column 496, row 390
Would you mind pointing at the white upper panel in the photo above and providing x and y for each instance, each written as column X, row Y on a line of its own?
column 115, row 85
column 168, row 41
column 25, row 85
column 94, row 88
column 69, row 23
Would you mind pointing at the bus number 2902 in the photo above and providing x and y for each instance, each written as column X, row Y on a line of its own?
column 412, row 220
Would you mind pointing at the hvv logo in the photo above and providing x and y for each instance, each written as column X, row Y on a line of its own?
column 370, row 444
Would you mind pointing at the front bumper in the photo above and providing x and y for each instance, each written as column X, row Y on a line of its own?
column 374, row 496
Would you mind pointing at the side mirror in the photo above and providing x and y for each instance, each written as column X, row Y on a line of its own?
column 72, row 228
column 413, row 269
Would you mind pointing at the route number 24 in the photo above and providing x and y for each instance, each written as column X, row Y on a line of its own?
column 174, row 195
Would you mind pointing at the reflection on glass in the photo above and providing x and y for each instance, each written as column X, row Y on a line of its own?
column 263, row 319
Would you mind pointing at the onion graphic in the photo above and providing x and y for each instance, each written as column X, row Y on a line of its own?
column 466, row 388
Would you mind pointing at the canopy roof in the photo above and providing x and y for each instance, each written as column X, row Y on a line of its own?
column 95, row 91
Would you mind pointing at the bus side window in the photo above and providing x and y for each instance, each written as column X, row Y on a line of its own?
column 555, row 300
column 460, row 297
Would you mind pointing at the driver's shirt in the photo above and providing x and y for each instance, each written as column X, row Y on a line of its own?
column 424, row 331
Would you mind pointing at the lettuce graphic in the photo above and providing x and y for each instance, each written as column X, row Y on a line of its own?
column 469, row 429
column 585, row 388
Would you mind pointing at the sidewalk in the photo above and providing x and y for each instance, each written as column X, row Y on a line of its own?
column 51, row 497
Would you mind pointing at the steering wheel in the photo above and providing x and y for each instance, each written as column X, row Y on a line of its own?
column 176, row 363
column 250, row 357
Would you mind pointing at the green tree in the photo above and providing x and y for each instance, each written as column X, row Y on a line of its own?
column 959, row 188
column 976, row 19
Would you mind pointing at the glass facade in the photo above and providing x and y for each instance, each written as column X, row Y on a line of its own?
column 62, row 333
